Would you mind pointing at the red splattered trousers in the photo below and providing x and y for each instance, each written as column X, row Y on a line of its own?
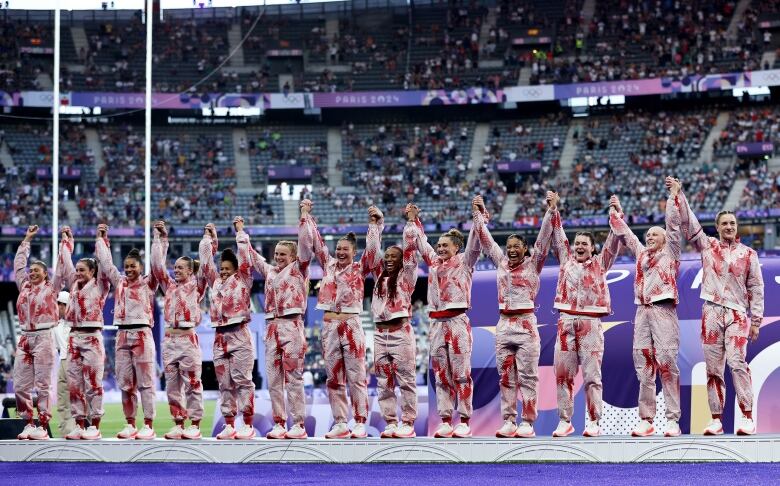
column 656, row 344
column 724, row 334
column 135, row 370
column 580, row 342
column 234, row 358
column 85, row 374
column 344, row 348
column 395, row 353
column 183, row 366
column 450, row 348
column 285, row 349
column 517, row 358
column 35, row 357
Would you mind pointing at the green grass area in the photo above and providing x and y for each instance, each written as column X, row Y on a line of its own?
column 114, row 419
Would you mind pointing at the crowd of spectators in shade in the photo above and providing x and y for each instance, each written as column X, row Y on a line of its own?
column 755, row 124
column 21, row 62
column 762, row 190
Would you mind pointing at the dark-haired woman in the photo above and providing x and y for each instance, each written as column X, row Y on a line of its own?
column 84, row 316
column 449, row 297
column 517, row 339
column 341, row 297
column 395, row 348
column 182, row 360
column 35, row 354
column 135, row 349
column 234, row 353
column 582, row 298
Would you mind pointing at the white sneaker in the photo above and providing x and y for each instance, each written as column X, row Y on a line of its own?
column 175, row 433
column 389, row 431
column 405, row 431
column 525, row 430
column 509, row 429
column 297, row 431
column 359, row 432
column 715, row 427
column 245, row 432
column 443, row 431
column 75, row 434
column 643, row 429
column 278, row 432
column 592, row 429
column 564, row 429
column 39, row 433
column 146, row 433
column 746, row 427
column 462, row 431
column 92, row 433
column 26, row 432
column 672, row 429
column 129, row 432
column 228, row 433
column 339, row 431
column 191, row 433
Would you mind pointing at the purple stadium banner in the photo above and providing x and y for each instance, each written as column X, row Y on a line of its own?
column 521, row 166
column 531, row 40
column 288, row 172
column 755, row 148
column 364, row 99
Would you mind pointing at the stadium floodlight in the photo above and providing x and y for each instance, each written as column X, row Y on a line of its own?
column 184, row 4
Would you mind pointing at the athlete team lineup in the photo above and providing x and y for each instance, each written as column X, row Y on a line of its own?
column 732, row 290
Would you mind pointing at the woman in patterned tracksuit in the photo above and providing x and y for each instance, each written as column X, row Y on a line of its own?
column 517, row 339
column 286, row 291
column 182, row 359
column 449, row 297
column 656, row 328
column 135, row 349
column 234, row 352
column 341, row 297
column 582, row 297
column 395, row 348
column 35, row 354
column 84, row 316
column 731, row 285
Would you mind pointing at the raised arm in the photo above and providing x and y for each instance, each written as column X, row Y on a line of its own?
column 472, row 250
column 310, row 243
column 486, row 241
column 409, row 248
column 755, row 291
column 207, row 272
column 611, row 248
column 559, row 243
column 673, row 230
column 244, row 255
column 372, row 255
column 690, row 226
column 544, row 239
column 65, row 273
column 619, row 227
column 103, row 256
column 414, row 229
column 22, row 255
column 159, row 253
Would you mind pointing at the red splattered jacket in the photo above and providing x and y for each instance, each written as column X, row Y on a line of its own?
column 229, row 297
column 582, row 287
column 383, row 307
column 85, row 308
column 731, row 272
column 519, row 285
column 341, row 289
column 182, row 300
column 656, row 271
column 449, row 281
column 37, row 304
column 286, row 288
column 132, row 300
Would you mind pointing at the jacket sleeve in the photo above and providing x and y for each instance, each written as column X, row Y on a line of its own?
column 611, row 247
column 310, row 243
column 409, row 248
column 755, row 289
column 20, row 264
column 673, row 229
column 105, row 262
column 244, row 256
column 486, row 241
column 543, row 240
column 626, row 236
column 207, row 272
column 415, row 230
column 65, row 273
column 690, row 226
column 159, row 251
column 259, row 263
column 560, row 245
column 472, row 251
column 372, row 255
